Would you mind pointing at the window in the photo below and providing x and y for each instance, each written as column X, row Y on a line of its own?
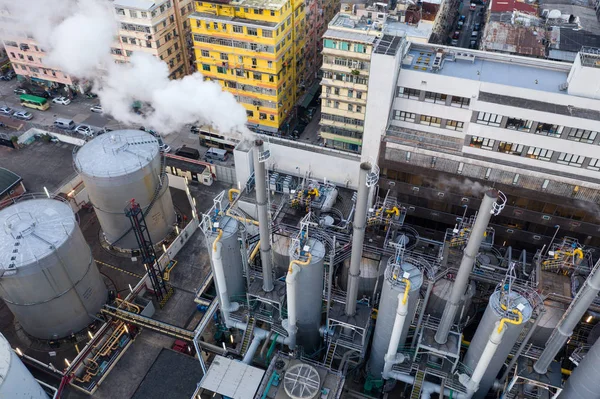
column 148, row 44
column 407, row 93
column 404, row 116
column 238, row 29
column 269, row 64
column 133, row 14
column 257, row 76
column 262, row 116
column 594, row 164
column 169, row 51
column 358, row 108
column 360, row 48
column 206, row 67
column 157, row 43
column 21, row 56
column 221, row 69
column 254, row 62
column 485, row 118
column 539, row 153
column 350, row 108
column 216, row 25
column 454, row 125
column 438, row 98
column 271, row 78
column 30, row 58
column 510, row 148
column 350, row 93
column 120, row 11
column 128, row 53
column 205, row 53
column 258, row 11
column 584, row 136
column 570, row 159
column 328, row 43
column 460, row 102
column 272, row 13
column 548, row 129
column 482, row 142
column 35, row 70
column 267, row 33
column 518, row 124
column 250, row 114
column 252, row 31
column 224, row 57
column 336, row 104
column 430, row 121
column 359, row 95
column 132, row 40
column 224, row 27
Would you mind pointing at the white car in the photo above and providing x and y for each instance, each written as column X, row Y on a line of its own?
column 85, row 130
column 96, row 108
column 61, row 100
column 165, row 148
column 6, row 111
column 23, row 115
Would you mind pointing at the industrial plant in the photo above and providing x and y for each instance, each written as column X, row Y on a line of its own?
column 302, row 288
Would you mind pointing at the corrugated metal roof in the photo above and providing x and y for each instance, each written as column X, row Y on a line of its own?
column 512, row 5
column 232, row 378
column 514, row 39
column 352, row 36
column 8, row 180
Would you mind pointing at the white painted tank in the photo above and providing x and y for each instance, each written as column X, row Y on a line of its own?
column 49, row 279
column 232, row 257
column 118, row 167
column 15, row 380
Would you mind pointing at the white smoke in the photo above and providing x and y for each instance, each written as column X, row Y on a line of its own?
column 465, row 186
column 77, row 36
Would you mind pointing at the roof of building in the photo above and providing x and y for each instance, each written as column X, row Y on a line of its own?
column 488, row 67
column 232, row 378
column 144, row 5
column 514, row 39
column 333, row 33
column 218, row 18
column 388, row 45
column 567, row 39
column 512, row 5
column 578, row 8
column 8, row 180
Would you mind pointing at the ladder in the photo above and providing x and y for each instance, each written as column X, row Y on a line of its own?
column 416, row 391
column 330, row 354
column 247, row 336
column 147, row 322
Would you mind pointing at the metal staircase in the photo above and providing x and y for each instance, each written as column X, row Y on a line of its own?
column 330, row 354
column 416, row 391
column 247, row 335
column 147, row 322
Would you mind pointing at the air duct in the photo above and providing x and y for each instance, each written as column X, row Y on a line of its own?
column 260, row 156
column 462, row 277
column 358, row 237
column 572, row 316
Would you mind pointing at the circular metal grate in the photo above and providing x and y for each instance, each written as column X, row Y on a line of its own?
column 302, row 381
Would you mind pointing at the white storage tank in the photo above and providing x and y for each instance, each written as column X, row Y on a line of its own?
column 120, row 166
column 15, row 380
column 49, row 279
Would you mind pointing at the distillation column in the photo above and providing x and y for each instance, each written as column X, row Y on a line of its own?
column 462, row 277
column 572, row 316
column 583, row 383
column 358, row 237
column 263, row 215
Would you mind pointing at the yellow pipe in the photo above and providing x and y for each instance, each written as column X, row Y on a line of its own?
column 241, row 219
column 231, row 192
column 566, row 372
column 128, row 304
column 299, row 262
column 406, row 290
column 255, row 251
column 579, row 252
column 217, row 240
column 510, row 321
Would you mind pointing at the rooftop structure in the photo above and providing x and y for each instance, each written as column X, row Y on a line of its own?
column 11, row 184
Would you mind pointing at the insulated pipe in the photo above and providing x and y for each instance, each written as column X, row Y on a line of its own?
column 254, row 345
column 391, row 357
column 291, row 282
column 466, row 265
column 583, row 382
column 358, row 238
column 260, row 177
column 226, row 306
column 572, row 316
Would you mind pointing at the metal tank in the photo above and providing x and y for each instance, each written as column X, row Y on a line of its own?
column 386, row 314
column 310, row 302
column 494, row 313
column 281, row 254
column 371, row 269
column 15, row 380
column 49, row 279
column 118, row 167
column 440, row 294
column 231, row 255
column 548, row 322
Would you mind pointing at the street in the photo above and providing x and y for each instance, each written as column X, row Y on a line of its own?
column 471, row 18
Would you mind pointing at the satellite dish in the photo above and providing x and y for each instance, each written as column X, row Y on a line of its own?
column 554, row 14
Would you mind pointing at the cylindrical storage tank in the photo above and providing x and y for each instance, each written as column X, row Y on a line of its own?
column 440, row 295
column 15, row 380
column 50, row 281
column 494, row 313
column 310, row 301
column 386, row 314
column 548, row 322
column 281, row 254
column 232, row 257
column 119, row 167
column 371, row 269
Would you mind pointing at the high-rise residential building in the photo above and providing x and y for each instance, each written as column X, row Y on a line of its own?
column 160, row 28
column 253, row 48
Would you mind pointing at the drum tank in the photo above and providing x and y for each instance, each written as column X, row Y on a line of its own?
column 386, row 314
column 49, row 279
column 232, row 257
column 548, row 322
column 494, row 313
column 440, row 295
column 371, row 269
column 15, row 380
column 310, row 301
column 118, row 167
column 281, row 254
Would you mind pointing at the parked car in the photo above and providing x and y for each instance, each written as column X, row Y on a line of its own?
column 472, row 7
column 454, row 42
column 91, row 95
column 459, row 25
column 18, row 91
column 85, row 130
column 195, row 129
column 96, row 108
column 456, row 35
column 24, row 115
column 462, row 18
column 477, row 26
column 6, row 111
column 165, row 148
column 61, row 100
column 8, row 75
column 473, row 44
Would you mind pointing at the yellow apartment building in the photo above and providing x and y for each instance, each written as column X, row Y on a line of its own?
column 254, row 49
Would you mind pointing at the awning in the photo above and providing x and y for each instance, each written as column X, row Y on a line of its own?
column 310, row 94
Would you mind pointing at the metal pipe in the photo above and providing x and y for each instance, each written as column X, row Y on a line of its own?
column 292, row 297
column 266, row 344
column 358, row 238
column 583, row 382
column 391, row 357
column 254, row 345
column 572, row 316
column 263, row 217
column 226, row 305
column 522, row 347
column 255, row 251
column 466, row 265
